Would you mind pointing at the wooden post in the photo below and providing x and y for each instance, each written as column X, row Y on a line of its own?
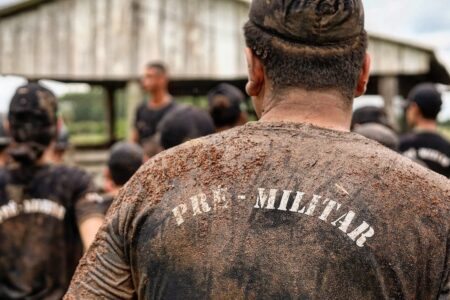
column 134, row 97
column 388, row 88
column 111, row 114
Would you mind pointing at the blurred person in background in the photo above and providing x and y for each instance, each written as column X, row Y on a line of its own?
column 44, row 209
column 372, row 123
column 293, row 206
column 148, row 115
column 424, row 143
column 151, row 147
column 225, row 103
column 4, row 142
column 370, row 114
column 183, row 124
column 124, row 160
column 380, row 133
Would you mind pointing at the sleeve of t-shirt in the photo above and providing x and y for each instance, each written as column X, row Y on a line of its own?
column 445, row 291
column 105, row 272
column 86, row 201
column 91, row 205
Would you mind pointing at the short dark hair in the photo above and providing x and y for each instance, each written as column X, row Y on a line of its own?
column 290, row 64
column 124, row 161
column 225, row 104
column 428, row 99
column 161, row 67
column 182, row 124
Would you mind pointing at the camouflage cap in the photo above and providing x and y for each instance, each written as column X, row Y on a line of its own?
column 310, row 22
column 34, row 100
column 33, row 121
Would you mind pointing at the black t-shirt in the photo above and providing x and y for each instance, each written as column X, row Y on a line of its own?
column 430, row 148
column 147, row 119
column 40, row 244
column 274, row 211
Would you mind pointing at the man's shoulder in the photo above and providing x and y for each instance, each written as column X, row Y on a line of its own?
column 408, row 138
column 70, row 175
column 251, row 144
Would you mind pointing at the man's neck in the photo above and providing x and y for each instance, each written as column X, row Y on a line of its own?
column 3, row 160
column 426, row 125
column 159, row 99
column 326, row 109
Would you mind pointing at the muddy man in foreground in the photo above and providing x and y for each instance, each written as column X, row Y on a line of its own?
column 292, row 206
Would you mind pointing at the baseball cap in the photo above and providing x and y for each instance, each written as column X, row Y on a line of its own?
column 313, row 23
column 427, row 98
column 125, row 159
column 33, row 121
column 182, row 124
column 225, row 104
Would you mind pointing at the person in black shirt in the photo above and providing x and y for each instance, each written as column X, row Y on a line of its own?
column 124, row 160
column 372, row 122
column 425, row 144
column 155, row 82
column 46, row 211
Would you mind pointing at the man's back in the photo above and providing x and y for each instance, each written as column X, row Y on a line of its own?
column 274, row 211
column 430, row 148
column 40, row 242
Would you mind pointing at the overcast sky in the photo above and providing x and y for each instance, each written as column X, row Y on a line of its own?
column 424, row 21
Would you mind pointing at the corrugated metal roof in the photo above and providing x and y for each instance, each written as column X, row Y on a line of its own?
column 20, row 6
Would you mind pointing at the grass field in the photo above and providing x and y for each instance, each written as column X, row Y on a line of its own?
column 445, row 130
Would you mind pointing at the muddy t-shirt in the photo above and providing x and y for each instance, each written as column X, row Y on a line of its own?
column 274, row 211
column 40, row 245
column 430, row 148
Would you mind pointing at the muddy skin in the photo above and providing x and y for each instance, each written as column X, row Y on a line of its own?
column 193, row 224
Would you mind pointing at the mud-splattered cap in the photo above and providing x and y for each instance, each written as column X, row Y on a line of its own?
column 33, row 121
column 310, row 22
column 34, row 100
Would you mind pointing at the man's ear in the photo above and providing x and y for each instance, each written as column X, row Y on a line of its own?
column 363, row 77
column 108, row 184
column 413, row 114
column 255, row 74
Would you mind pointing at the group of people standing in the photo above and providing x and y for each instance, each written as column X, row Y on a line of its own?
column 292, row 206
column 422, row 143
column 50, row 212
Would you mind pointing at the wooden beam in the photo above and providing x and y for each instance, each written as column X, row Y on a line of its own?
column 21, row 7
column 388, row 88
column 111, row 113
column 133, row 96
